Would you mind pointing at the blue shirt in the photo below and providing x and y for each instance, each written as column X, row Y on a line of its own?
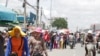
column 25, row 48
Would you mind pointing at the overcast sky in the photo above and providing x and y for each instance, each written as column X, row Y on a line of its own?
column 81, row 13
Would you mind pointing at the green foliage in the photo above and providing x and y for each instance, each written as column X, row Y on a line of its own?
column 60, row 23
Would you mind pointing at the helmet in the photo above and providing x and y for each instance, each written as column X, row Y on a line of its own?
column 90, row 31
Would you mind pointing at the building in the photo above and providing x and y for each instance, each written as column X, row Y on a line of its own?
column 95, row 27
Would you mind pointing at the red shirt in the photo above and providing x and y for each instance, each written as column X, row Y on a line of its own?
column 16, row 42
column 46, row 37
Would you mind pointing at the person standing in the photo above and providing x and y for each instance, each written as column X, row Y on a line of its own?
column 5, row 36
column 64, row 40
column 1, row 45
column 47, row 39
column 17, row 44
column 61, row 40
column 36, row 43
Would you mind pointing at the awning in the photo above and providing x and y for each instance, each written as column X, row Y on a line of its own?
column 20, row 18
column 7, row 23
column 7, row 14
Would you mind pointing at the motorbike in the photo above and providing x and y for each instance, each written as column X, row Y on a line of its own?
column 71, row 41
column 82, row 42
column 90, row 48
column 71, row 44
column 98, row 47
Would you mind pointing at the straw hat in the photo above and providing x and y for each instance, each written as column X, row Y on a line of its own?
column 11, row 33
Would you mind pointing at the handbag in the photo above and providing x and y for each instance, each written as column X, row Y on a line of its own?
column 15, row 53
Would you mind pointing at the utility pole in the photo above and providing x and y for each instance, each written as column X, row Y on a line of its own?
column 51, row 9
column 6, row 3
column 94, row 26
column 41, row 17
column 51, row 14
column 77, row 29
column 37, row 12
column 24, row 13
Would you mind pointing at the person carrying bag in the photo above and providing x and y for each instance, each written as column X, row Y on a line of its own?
column 18, row 44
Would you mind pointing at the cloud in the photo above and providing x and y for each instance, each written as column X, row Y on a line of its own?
column 81, row 13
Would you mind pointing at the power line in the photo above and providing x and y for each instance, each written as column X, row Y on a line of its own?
column 37, row 11
column 31, row 5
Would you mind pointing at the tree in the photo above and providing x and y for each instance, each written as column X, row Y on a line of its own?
column 60, row 23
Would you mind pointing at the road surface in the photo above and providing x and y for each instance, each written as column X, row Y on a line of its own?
column 77, row 51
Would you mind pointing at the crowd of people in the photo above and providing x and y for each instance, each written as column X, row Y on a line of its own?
column 17, row 42
column 30, row 43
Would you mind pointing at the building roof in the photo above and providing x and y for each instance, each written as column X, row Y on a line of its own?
column 7, row 14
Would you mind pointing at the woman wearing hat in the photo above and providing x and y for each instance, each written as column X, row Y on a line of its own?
column 17, row 44
column 37, row 44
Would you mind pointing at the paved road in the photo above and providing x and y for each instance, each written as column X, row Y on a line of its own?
column 77, row 51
